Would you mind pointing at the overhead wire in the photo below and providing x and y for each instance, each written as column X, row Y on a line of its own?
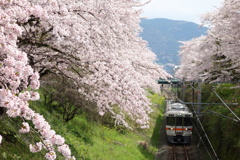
column 227, row 106
column 202, row 140
column 205, row 134
column 221, row 115
column 198, row 119
column 236, row 120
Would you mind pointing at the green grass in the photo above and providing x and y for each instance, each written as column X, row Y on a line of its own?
column 88, row 140
column 109, row 144
column 156, row 118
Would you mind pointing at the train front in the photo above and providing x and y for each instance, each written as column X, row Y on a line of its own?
column 179, row 125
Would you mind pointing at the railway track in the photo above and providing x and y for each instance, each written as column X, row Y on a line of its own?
column 168, row 95
column 180, row 152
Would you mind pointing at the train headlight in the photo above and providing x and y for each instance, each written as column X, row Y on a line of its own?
column 171, row 128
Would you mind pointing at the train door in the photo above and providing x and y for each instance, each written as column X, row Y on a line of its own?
column 179, row 126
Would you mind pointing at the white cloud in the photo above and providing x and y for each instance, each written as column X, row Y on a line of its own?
column 188, row 10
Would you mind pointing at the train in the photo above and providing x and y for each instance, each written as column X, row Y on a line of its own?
column 179, row 125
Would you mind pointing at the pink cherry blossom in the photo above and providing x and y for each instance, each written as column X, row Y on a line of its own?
column 36, row 147
column 10, row 62
column 116, row 63
column 47, row 144
column 34, row 96
column 13, row 112
column 57, row 139
column 26, row 112
column 25, row 96
column 25, row 128
column 7, row 103
column 64, row 149
column 50, row 155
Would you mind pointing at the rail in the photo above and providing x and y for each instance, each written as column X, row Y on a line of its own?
column 174, row 153
column 180, row 153
column 185, row 152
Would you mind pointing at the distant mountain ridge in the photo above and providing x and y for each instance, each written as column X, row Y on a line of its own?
column 163, row 36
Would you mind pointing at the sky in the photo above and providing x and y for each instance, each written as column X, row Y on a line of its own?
column 187, row 10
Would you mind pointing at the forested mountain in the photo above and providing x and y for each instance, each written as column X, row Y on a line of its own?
column 163, row 36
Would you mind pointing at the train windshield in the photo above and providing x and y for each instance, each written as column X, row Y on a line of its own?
column 171, row 121
column 179, row 121
column 187, row 121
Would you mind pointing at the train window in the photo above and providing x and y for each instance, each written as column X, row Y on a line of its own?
column 187, row 121
column 179, row 121
column 171, row 121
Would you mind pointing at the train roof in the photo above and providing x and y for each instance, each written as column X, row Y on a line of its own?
column 179, row 106
column 176, row 108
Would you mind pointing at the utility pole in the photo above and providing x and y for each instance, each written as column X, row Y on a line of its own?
column 183, row 90
column 199, row 95
column 193, row 91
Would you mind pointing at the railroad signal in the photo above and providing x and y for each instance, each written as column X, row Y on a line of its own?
column 169, row 81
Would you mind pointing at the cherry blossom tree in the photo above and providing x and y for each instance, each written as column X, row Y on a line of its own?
column 18, row 79
column 96, row 44
column 214, row 57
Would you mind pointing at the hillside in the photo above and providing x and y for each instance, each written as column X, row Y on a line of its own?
column 163, row 36
column 90, row 136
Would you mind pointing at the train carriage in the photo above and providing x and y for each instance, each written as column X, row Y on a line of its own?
column 178, row 123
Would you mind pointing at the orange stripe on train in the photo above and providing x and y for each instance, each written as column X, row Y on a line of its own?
column 179, row 129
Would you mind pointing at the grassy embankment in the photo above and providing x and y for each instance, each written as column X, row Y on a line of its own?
column 88, row 140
